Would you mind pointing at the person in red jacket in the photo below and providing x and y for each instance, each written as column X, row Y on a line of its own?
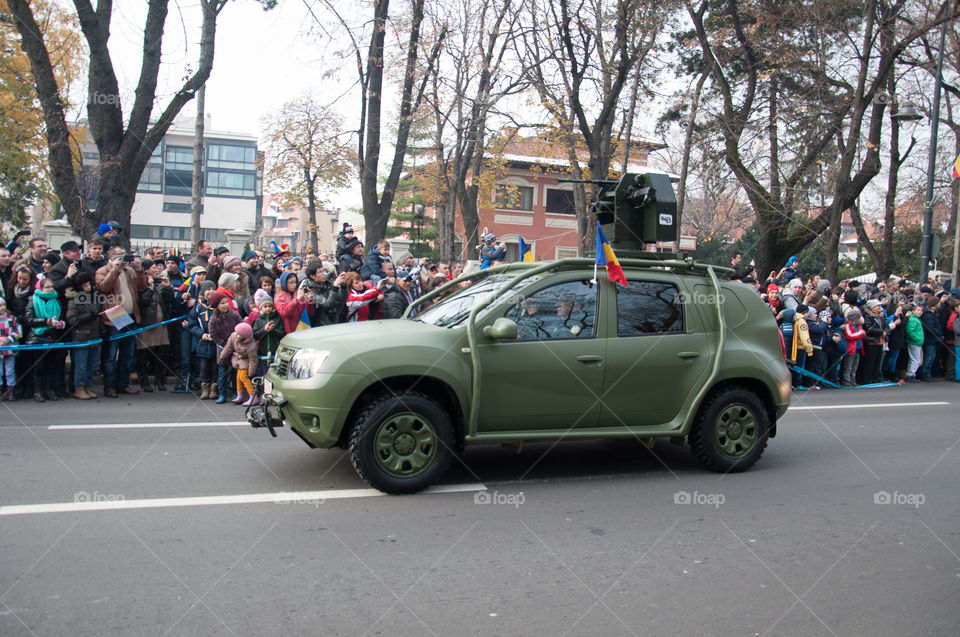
column 362, row 294
column 854, row 334
column 290, row 302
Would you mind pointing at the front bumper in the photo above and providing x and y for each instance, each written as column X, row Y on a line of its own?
column 315, row 409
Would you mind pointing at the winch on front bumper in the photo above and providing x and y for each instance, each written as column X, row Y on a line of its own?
column 261, row 415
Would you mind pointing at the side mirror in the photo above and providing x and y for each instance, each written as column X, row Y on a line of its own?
column 503, row 329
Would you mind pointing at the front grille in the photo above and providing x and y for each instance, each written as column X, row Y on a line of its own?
column 282, row 362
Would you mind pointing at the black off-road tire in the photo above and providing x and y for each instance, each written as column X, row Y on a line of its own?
column 730, row 431
column 401, row 443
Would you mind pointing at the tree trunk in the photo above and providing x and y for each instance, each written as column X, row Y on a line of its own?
column 196, row 194
column 831, row 247
column 311, row 211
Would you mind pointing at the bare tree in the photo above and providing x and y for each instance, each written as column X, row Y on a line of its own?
column 468, row 82
column 307, row 152
column 587, row 51
column 798, row 86
column 123, row 150
column 369, row 49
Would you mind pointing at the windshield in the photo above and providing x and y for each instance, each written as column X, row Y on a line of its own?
column 455, row 309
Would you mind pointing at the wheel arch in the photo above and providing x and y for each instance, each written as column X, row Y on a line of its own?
column 431, row 386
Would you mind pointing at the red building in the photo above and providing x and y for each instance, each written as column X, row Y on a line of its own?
column 528, row 199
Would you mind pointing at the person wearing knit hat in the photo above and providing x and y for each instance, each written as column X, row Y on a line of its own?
column 240, row 352
column 259, row 296
column 249, row 254
column 854, row 335
column 232, row 264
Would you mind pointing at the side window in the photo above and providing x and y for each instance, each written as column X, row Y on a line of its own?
column 649, row 307
column 562, row 311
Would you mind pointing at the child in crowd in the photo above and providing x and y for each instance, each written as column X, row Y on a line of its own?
column 268, row 329
column 240, row 352
column 914, row 337
column 45, row 326
column 222, row 322
column 361, row 294
column 83, row 317
column 198, row 325
column 854, row 335
column 10, row 333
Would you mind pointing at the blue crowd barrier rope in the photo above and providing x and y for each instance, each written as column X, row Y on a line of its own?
column 96, row 341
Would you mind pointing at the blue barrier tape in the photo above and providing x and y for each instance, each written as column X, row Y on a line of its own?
column 96, row 341
column 803, row 372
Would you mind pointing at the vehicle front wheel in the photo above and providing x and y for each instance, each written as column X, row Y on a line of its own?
column 731, row 430
column 402, row 443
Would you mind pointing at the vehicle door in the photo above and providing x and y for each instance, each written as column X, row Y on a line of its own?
column 551, row 376
column 657, row 352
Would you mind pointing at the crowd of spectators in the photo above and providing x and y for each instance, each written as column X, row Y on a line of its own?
column 218, row 316
column 851, row 333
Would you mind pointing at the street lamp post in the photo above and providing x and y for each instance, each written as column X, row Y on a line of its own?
column 926, row 247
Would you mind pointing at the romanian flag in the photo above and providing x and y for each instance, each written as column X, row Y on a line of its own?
column 525, row 254
column 606, row 258
column 956, row 166
column 304, row 323
column 186, row 283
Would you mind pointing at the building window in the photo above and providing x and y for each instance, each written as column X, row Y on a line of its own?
column 510, row 197
column 169, row 206
column 178, row 176
column 152, row 178
column 231, row 184
column 231, row 157
column 560, row 202
column 649, row 307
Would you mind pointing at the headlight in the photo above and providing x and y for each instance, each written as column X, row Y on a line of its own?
column 306, row 363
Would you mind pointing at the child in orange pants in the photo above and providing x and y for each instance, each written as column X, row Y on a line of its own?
column 241, row 351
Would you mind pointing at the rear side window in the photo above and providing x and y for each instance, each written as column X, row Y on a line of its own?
column 649, row 307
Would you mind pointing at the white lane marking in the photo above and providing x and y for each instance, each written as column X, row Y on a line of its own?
column 867, row 405
column 153, row 425
column 280, row 497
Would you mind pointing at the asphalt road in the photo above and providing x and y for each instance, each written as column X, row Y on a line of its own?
column 847, row 526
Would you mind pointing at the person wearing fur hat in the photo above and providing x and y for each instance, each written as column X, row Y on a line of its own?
column 240, row 351
column 202, row 346
column 222, row 322
column 83, row 321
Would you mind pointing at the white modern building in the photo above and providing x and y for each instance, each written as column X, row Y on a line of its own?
column 232, row 185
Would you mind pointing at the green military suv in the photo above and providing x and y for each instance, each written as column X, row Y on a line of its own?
column 538, row 352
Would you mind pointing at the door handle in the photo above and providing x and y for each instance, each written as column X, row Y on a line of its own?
column 589, row 358
column 688, row 355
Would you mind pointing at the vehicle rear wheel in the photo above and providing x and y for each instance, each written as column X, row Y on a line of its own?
column 402, row 443
column 731, row 430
